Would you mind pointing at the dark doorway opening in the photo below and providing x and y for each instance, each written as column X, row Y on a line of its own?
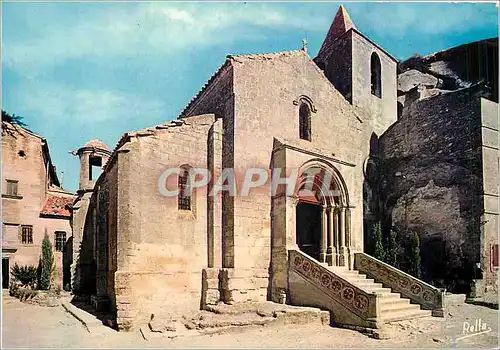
column 308, row 229
column 67, row 260
column 5, row 273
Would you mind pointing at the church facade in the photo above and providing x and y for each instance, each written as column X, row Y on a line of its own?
column 139, row 252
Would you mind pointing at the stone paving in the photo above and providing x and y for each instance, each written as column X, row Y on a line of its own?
column 26, row 326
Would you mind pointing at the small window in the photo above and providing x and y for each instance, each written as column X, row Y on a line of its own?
column 11, row 187
column 21, row 154
column 26, row 234
column 494, row 256
column 184, row 196
column 95, row 167
column 305, row 122
column 376, row 77
column 60, row 239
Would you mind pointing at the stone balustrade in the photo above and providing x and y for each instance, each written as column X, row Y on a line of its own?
column 429, row 297
column 362, row 304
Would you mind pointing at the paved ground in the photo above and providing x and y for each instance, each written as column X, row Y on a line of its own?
column 27, row 325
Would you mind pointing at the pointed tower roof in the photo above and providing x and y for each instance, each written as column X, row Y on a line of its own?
column 341, row 24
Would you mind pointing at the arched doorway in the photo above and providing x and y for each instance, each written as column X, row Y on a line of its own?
column 308, row 228
column 323, row 215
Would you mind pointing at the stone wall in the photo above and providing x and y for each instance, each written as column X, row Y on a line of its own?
column 379, row 112
column 266, row 87
column 161, row 249
column 491, row 176
column 25, row 160
column 347, row 64
column 431, row 182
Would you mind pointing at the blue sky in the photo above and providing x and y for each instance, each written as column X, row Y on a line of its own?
column 78, row 71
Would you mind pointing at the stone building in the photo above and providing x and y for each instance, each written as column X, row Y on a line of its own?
column 33, row 204
column 439, row 164
column 140, row 252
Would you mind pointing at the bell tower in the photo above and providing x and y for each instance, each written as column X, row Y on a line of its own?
column 361, row 70
column 93, row 157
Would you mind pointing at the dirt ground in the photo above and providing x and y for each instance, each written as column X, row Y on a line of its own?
column 27, row 326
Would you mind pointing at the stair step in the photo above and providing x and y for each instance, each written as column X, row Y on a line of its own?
column 367, row 283
column 379, row 290
column 395, row 316
column 396, row 307
column 393, row 299
column 343, row 272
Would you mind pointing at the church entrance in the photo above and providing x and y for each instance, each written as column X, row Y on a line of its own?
column 322, row 226
column 308, row 229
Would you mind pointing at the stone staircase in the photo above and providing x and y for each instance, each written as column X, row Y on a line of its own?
column 370, row 295
column 393, row 306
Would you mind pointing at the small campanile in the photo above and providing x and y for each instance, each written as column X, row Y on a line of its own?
column 93, row 157
column 361, row 70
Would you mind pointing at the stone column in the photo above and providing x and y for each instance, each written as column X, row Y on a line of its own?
column 336, row 234
column 342, row 248
column 324, row 230
column 348, row 238
column 332, row 251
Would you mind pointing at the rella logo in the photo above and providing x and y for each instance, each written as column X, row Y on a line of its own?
column 471, row 329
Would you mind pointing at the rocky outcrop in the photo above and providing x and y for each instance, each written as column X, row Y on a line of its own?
column 411, row 78
column 449, row 70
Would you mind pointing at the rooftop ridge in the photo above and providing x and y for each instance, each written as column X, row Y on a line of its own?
column 267, row 54
column 229, row 57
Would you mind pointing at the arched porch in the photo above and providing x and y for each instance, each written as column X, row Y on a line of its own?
column 323, row 215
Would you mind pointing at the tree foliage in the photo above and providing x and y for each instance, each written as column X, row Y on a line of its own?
column 46, row 264
column 378, row 250
column 391, row 255
column 12, row 118
column 26, row 275
column 415, row 263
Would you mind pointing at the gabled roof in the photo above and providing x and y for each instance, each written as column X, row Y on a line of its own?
column 227, row 62
column 341, row 24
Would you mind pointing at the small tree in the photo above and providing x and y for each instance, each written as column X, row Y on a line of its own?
column 378, row 251
column 416, row 268
column 46, row 264
column 391, row 256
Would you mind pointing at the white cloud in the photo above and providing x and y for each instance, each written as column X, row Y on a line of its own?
column 400, row 20
column 59, row 104
column 162, row 28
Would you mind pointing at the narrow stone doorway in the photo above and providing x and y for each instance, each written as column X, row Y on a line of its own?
column 308, row 229
column 5, row 273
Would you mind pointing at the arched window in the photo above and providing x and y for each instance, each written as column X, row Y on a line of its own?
column 376, row 78
column 184, row 196
column 305, row 122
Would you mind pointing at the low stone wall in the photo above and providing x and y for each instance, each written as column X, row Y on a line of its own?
column 311, row 284
column 431, row 298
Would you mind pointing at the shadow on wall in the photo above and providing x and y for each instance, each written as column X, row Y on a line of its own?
column 371, row 193
column 85, row 272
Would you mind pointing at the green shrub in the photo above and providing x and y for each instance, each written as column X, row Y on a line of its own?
column 391, row 256
column 415, row 267
column 25, row 275
column 378, row 251
column 46, row 264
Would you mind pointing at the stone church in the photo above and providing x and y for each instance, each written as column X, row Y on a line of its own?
column 138, row 252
